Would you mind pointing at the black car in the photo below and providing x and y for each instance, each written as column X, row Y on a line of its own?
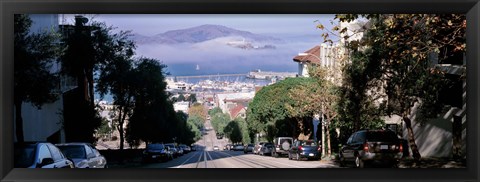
column 308, row 149
column 156, row 152
column 372, row 146
column 248, row 148
column 39, row 155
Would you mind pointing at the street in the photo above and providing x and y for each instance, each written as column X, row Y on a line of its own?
column 206, row 157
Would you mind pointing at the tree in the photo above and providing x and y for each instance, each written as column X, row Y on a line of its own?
column 215, row 111
column 192, row 98
column 233, row 132
column 197, row 121
column 219, row 122
column 181, row 97
column 34, row 80
column 153, row 117
column 273, row 106
column 198, row 110
column 402, row 46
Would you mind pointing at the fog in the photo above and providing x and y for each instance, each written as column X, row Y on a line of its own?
column 216, row 57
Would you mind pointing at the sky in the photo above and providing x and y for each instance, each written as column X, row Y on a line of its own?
column 298, row 31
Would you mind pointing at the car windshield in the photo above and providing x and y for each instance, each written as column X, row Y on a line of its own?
column 309, row 143
column 385, row 136
column 24, row 156
column 73, row 151
column 268, row 145
column 155, row 146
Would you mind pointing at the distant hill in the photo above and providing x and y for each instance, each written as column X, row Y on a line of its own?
column 201, row 34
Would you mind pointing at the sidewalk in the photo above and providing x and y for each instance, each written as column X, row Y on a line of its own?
column 432, row 163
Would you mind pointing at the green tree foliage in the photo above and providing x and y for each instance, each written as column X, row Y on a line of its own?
column 395, row 55
column 192, row 98
column 34, row 80
column 215, row 111
column 181, row 97
column 219, row 122
column 237, row 131
column 116, row 78
column 197, row 121
column 273, row 106
column 153, row 117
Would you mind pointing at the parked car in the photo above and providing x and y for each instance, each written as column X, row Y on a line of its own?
column 156, row 152
column 219, row 136
column 216, row 148
column 193, row 147
column 257, row 147
column 83, row 155
column 186, row 149
column 238, row 147
column 39, row 155
column 227, row 147
column 173, row 149
column 282, row 145
column 266, row 149
column 370, row 146
column 308, row 149
column 248, row 148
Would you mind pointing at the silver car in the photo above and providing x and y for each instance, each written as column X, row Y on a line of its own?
column 83, row 155
column 39, row 155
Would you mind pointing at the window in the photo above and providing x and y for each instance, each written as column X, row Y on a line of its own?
column 88, row 150
column 56, row 154
column 43, row 153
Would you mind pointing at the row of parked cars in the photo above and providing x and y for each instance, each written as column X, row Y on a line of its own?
column 65, row 155
column 381, row 147
column 165, row 152
column 286, row 146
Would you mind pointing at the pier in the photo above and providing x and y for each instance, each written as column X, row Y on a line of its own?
column 206, row 76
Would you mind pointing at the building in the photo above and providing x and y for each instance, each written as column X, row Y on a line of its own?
column 181, row 106
column 46, row 124
column 441, row 137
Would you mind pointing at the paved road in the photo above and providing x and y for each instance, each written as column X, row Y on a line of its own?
column 206, row 157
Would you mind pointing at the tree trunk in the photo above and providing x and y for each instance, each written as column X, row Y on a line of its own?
column 19, row 121
column 411, row 139
column 327, row 130
column 90, row 88
column 120, row 127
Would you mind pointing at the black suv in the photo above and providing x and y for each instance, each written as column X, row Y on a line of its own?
column 370, row 146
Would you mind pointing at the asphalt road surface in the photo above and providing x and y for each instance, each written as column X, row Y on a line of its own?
column 206, row 157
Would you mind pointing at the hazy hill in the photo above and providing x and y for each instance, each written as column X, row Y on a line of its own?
column 201, row 34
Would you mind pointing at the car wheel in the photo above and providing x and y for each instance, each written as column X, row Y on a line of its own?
column 275, row 154
column 289, row 156
column 359, row 163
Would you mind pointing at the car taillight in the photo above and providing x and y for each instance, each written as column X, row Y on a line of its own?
column 400, row 148
column 300, row 148
column 365, row 147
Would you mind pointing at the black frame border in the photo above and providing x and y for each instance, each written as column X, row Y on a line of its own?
column 10, row 7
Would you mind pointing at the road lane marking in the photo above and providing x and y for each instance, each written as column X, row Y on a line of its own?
column 279, row 162
column 205, row 157
column 248, row 161
column 198, row 161
column 211, row 160
column 187, row 160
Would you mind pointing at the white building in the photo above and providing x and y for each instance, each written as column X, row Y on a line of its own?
column 181, row 106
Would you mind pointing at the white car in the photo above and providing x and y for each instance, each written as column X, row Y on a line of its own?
column 216, row 148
